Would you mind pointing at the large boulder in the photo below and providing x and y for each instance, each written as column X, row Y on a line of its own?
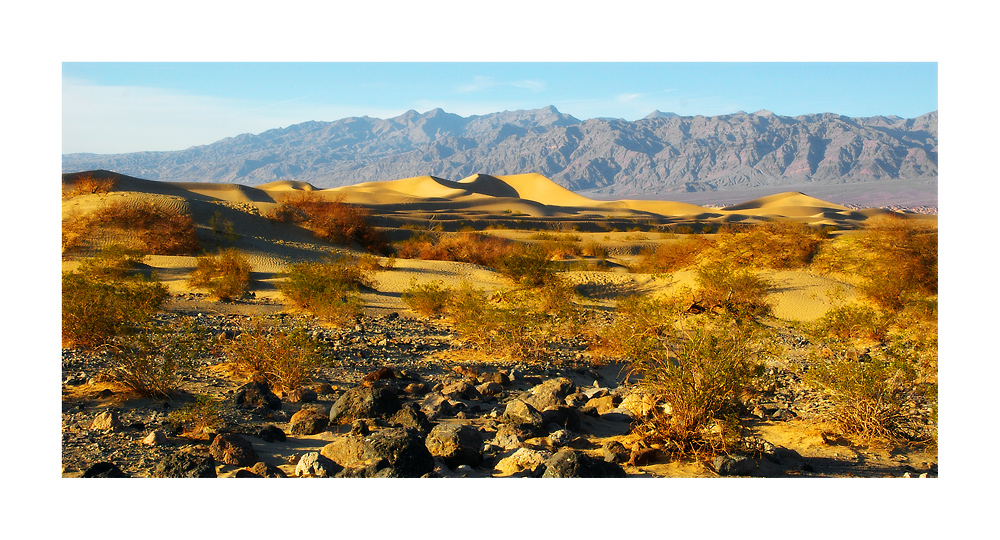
column 308, row 422
column 524, row 459
column 411, row 417
column 568, row 463
column 254, row 395
column 400, row 450
column 185, row 465
column 521, row 413
column 314, row 465
column 551, row 393
column 457, row 444
column 231, row 449
column 363, row 402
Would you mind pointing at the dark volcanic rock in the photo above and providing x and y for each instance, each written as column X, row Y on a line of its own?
column 518, row 412
column 308, row 422
column 364, row 402
column 568, row 463
column 256, row 394
column 411, row 416
column 402, row 451
column 104, row 469
column 232, row 449
column 271, row 433
column 185, row 465
column 734, row 465
column 457, row 444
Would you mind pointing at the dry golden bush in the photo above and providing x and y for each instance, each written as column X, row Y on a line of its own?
column 333, row 221
column 226, row 275
column 286, row 359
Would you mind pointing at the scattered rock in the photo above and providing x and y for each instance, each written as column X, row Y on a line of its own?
column 518, row 412
column 364, row 402
column 313, row 464
column 107, row 420
column 308, row 422
column 734, row 465
column 400, row 450
column 155, row 438
column 569, row 463
column 524, row 459
column 254, row 395
column 271, row 433
column 104, row 469
column 231, row 449
column 302, row 395
column 185, row 465
column 615, row 452
column 457, row 444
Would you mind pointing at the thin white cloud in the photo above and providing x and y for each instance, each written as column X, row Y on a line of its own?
column 480, row 84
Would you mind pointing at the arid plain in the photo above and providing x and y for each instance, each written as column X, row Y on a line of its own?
column 603, row 251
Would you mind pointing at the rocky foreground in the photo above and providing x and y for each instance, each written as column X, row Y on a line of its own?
column 402, row 397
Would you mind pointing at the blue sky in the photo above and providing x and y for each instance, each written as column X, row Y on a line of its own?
column 111, row 107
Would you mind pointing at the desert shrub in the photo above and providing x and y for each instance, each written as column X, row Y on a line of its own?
column 328, row 288
column 870, row 395
column 774, row 244
column 222, row 229
column 226, row 275
column 853, row 321
column 697, row 368
column 285, row 359
column 895, row 258
column 333, row 221
column 514, row 330
column 112, row 262
column 428, row 299
column 205, row 412
column 476, row 248
column 672, row 256
column 529, row 266
column 595, row 249
column 150, row 362
column 88, row 184
column 162, row 231
column 96, row 307
column 739, row 291
column 371, row 263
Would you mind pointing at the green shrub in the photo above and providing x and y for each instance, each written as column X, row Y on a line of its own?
column 513, row 329
column 150, row 362
column 98, row 306
column 328, row 289
column 226, row 275
column 222, row 228
column 529, row 267
column 205, row 412
column 428, row 299
column 285, row 360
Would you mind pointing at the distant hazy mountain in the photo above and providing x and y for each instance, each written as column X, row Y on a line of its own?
column 660, row 154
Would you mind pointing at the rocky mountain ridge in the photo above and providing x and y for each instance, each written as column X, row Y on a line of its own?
column 656, row 156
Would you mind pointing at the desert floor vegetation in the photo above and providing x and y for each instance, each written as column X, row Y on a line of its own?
column 328, row 288
column 226, row 275
column 332, row 220
column 153, row 229
column 283, row 358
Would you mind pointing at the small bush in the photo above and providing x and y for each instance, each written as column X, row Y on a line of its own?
column 96, row 307
column 150, row 362
column 222, row 228
column 895, row 258
column 226, row 275
column 333, row 221
column 529, row 267
column 739, row 291
column 513, row 329
column 428, row 299
column 159, row 230
column 595, row 249
column 853, row 321
column 672, row 256
column 88, row 184
column 205, row 412
column 327, row 288
column 286, row 360
column 698, row 368
column 775, row 244
column 475, row 248
column 870, row 396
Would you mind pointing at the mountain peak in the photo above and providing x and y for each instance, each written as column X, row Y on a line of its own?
column 660, row 114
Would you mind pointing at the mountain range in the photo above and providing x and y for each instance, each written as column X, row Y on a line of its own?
column 661, row 155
